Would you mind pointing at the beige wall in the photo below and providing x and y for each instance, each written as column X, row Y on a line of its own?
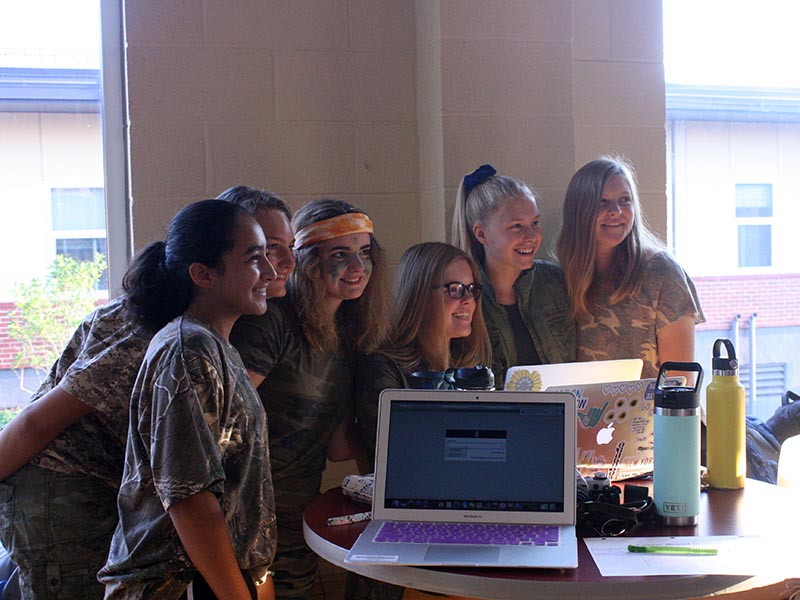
column 388, row 103
column 304, row 98
column 619, row 92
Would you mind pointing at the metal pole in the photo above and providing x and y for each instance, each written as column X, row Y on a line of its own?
column 735, row 331
column 753, row 390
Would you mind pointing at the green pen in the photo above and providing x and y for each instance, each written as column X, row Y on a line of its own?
column 673, row 550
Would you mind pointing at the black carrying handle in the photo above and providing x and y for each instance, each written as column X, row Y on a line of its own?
column 728, row 346
column 691, row 367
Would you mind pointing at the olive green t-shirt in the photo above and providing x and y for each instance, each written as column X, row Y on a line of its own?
column 306, row 394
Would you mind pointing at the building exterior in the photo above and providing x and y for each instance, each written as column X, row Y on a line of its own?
column 51, row 182
column 734, row 155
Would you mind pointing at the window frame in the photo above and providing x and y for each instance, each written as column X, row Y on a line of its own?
column 119, row 226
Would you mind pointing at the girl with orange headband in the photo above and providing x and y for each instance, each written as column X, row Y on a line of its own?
column 301, row 356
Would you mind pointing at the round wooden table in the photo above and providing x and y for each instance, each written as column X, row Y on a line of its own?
column 758, row 509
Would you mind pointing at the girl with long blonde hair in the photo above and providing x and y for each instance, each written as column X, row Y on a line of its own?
column 629, row 296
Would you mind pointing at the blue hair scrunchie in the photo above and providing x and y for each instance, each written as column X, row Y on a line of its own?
column 477, row 177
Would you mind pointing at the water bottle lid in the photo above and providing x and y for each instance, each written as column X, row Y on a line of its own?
column 721, row 363
column 677, row 398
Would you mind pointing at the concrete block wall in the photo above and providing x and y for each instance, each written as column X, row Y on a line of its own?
column 304, row 98
column 619, row 92
column 430, row 126
column 508, row 96
column 388, row 104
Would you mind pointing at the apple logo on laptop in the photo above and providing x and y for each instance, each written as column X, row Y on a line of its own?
column 604, row 435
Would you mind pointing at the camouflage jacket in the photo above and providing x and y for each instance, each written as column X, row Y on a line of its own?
column 629, row 329
column 546, row 311
column 98, row 367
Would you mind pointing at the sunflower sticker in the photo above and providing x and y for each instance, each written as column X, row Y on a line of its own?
column 523, row 380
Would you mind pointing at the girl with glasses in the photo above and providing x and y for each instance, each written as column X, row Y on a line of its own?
column 300, row 355
column 629, row 296
column 436, row 324
column 497, row 223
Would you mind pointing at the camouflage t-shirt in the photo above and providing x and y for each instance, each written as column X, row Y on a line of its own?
column 629, row 329
column 98, row 367
column 196, row 425
column 306, row 394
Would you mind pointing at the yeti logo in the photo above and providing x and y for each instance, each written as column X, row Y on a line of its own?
column 673, row 507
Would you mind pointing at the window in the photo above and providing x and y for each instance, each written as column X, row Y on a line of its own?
column 79, row 225
column 54, row 163
column 753, row 212
column 753, row 200
column 755, row 245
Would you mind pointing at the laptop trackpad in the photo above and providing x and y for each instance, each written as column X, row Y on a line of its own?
column 444, row 553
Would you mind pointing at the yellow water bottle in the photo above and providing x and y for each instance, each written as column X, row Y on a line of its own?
column 725, row 416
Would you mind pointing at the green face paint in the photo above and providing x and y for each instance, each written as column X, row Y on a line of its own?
column 346, row 266
column 334, row 268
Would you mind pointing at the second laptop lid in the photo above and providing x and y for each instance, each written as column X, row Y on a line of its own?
column 536, row 378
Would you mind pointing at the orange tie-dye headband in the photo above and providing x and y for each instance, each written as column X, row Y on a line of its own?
column 334, row 227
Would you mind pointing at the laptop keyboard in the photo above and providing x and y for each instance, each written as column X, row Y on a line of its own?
column 468, row 533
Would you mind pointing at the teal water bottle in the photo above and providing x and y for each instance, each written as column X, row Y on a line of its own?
column 676, row 469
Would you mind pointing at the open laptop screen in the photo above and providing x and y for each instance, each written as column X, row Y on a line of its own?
column 479, row 456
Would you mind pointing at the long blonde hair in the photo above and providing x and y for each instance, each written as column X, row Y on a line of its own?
column 361, row 323
column 413, row 339
column 477, row 205
column 576, row 247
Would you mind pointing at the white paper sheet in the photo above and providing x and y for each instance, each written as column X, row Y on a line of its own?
column 736, row 555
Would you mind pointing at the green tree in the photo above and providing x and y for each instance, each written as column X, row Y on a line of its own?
column 49, row 309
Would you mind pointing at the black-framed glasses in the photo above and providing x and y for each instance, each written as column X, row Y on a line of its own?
column 457, row 290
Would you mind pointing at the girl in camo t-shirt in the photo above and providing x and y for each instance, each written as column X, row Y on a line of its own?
column 629, row 296
column 196, row 502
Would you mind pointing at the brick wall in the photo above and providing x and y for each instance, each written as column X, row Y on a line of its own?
column 774, row 298
column 8, row 348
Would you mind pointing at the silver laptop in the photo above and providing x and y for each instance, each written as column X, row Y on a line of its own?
column 537, row 378
column 615, row 427
column 469, row 478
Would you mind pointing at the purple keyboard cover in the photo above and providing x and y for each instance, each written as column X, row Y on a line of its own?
column 468, row 533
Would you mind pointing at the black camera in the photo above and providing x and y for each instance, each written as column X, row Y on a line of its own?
column 601, row 489
column 605, row 514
